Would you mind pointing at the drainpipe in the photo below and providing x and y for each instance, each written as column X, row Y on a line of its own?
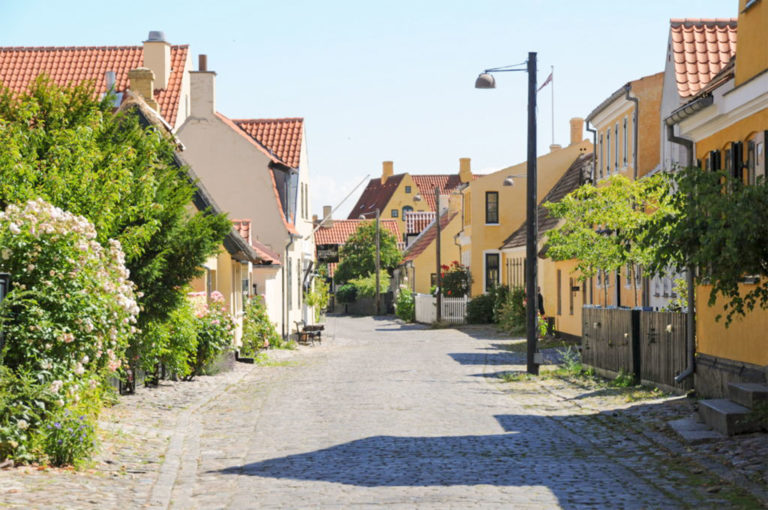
column 690, row 323
column 594, row 151
column 635, row 120
column 286, row 262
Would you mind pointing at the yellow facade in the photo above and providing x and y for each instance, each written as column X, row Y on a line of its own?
column 403, row 197
column 753, row 41
column 482, row 238
column 424, row 265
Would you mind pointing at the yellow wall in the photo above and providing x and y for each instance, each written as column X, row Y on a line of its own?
column 739, row 131
column 752, row 50
column 484, row 237
column 425, row 264
column 743, row 341
column 401, row 199
column 567, row 317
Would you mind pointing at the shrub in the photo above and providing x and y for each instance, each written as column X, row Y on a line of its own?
column 366, row 287
column 318, row 297
column 347, row 293
column 258, row 331
column 405, row 305
column 456, row 280
column 181, row 345
column 512, row 312
column 67, row 321
column 500, row 295
column 215, row 333
column 480, row 309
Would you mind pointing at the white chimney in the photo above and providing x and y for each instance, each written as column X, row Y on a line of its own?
column 202, row 86
column 157, row 56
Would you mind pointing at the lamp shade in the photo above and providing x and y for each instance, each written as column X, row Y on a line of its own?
column 509, row 181
column 485, row 81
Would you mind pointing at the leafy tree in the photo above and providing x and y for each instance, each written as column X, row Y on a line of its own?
column 358, row 255
column 62, row 145
column 721, row 231
column 611, row 226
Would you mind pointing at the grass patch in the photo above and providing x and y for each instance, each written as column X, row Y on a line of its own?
column 509, row 377
column 262, row 360
column 542, row 343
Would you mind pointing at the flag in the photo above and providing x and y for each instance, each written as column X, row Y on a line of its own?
column 546, row 82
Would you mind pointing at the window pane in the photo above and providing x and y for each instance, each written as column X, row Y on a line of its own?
column 492, row 207
column 491, row 270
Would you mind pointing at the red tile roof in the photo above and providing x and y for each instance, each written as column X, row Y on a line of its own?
column 340, row 231
column 375, row 196
column 428, row 236
column 243, row 227
column 701, row 48
column 282, row 137
column 19, row 66
column 427, row 183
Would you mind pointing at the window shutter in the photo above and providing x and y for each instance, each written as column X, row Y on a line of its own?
column 737, row 157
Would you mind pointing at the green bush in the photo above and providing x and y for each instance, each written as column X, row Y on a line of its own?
column 480, row 309
column 181, row 345
column 258, row 331
column 215, row 334
column 366, row 286
column 318, row 297
column 456, row 280
column 512, row 312
column 405, row 305
column 500, row 295
column 347, row 293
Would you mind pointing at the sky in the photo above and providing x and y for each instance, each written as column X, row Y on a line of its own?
column 388, row 81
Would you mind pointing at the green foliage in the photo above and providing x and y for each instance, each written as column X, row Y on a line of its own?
column 317, row 298
column 500, row 295
column 611, row 226
column 405, row 305
column 181, row 344
column 721, row 231
column 215, row 334
column 69, row 438
column 480, row 309
column 346, row 293
column 258, row 331
column 358, row 255
column 512, row 318
column 456, row 280
column 366, row 286
column 63, row 146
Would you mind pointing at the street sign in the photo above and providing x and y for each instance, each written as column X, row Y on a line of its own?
column 327, row 253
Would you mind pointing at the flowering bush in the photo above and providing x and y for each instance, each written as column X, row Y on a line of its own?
column 258, row 331
column 68, row 317
column 405, row 305
column 456, row 279
column 215, row 332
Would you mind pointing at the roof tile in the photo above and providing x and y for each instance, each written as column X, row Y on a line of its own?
column 428, row 236
column 701, row 48
column 282, row 137
column 339, row 232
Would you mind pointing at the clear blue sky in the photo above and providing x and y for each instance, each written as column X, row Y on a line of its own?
column 388, row 80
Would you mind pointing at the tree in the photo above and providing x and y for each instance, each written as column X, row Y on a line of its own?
column 721, row 231
column 62, row 145
column 614, row 225
column 358, row 255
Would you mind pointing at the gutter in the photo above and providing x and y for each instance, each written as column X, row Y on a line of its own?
column 286, row 265
column 686, row 111
column 690, row 337
column 635, row 121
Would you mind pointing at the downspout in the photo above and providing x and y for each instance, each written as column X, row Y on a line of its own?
column 286, row 263
column 635, row 121
column 594, row 151
column 690, row 323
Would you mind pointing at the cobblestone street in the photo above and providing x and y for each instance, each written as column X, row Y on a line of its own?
column 389, row 415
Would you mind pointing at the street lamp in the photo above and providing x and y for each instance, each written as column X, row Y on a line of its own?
column 486, row 81
column 378, row 261
column 510, row 179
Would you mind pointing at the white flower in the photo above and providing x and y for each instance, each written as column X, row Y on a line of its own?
column 14, row 229
column 22, row 424
column 56, row 386
column 86, row 359
column 6, row 253
column 79, row 369
column 30, row 267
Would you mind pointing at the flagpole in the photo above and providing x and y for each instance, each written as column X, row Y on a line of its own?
column 552, row 74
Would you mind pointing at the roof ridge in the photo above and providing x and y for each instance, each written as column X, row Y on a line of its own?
column 272, row 119
column 83, row 48
column 702, row 21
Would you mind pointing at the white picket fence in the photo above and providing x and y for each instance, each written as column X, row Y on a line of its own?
column 454, row 310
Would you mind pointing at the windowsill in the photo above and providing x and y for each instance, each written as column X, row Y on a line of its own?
column 492, row 224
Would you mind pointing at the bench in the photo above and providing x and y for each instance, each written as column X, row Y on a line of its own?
column 309, row 333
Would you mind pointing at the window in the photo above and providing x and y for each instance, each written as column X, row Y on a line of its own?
column 406, row 209
column 492, row 265
column 407, row 189
column 608, row 153
column 491, row 207
column 616, row 147
column 626, row 143
column 602, row 159
column 394, row 213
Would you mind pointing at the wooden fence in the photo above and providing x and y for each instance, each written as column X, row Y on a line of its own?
column 453, row 310
column 649, row 345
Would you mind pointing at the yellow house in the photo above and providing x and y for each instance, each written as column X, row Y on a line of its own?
column 724, row 127
column 563, row 295
column 492, row 210
column 627, row 142
column 420, row 258
column 396, row 195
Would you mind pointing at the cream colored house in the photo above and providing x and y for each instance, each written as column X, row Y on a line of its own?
column 257, row 170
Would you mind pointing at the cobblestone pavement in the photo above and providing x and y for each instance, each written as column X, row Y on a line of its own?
column 385, row 414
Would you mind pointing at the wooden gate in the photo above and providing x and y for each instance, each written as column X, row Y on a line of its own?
column 662, row 348
column 607, row 340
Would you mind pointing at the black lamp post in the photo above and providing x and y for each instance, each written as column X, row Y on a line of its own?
column 486, row 81
column 437, row 249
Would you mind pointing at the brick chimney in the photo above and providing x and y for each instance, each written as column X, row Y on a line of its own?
column 327, row 216
column 387, row 171
column 142, row 82
column 157, row 56
column 577, row 130
column 465, row 170
column 202, row 85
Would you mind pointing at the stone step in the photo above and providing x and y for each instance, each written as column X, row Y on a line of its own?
column 725, row 416
column 693, row 431
column 748, row 394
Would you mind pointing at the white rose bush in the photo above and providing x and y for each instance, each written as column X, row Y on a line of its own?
column 66, row 322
